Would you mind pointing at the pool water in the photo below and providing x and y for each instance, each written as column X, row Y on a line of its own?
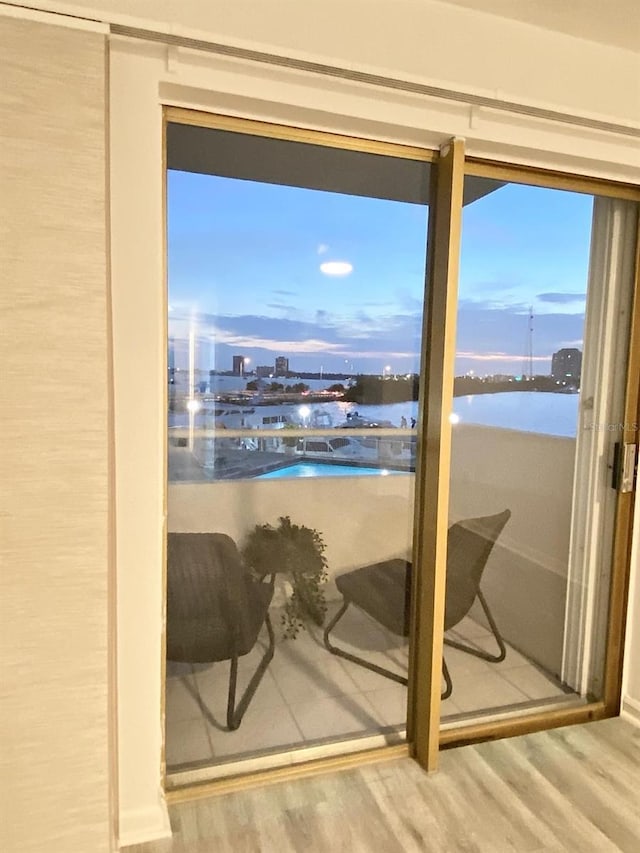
column 318, row 469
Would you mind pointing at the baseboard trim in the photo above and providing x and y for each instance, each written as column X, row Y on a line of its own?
column 630, row 710
column 140, row 825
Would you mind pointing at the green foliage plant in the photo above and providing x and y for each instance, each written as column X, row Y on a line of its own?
column 297, row 551
column 289, row 440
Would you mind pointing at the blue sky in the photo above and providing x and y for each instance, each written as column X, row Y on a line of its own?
column 245, row 271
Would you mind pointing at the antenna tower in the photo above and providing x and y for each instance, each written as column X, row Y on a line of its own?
column 530, row 342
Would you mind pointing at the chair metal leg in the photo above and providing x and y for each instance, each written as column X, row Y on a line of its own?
column 387, row 673
column 236, row 713
column 447, row 680
column 480, row 653
column 335, row 650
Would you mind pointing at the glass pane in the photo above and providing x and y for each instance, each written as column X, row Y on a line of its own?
column 295, row 315
column 524, row 596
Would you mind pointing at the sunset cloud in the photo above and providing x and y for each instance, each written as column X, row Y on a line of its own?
column 561, row 298
column 307, row 345
column 499, row 356
column 262, row 270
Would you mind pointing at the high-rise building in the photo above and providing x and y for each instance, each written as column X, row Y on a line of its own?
column 567, row 364
column 238, row 365
column 282, row 366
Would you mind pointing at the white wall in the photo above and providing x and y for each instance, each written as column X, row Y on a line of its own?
column 138, row 348
column 424, row 39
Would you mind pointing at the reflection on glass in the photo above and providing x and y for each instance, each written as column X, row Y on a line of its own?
column 207, row 454
column 294, row 344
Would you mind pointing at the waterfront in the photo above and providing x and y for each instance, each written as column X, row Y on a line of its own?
column 227, row 449
column 540, row 412
column 527, row 411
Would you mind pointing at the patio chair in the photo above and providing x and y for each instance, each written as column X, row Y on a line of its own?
column 383, row 591
column 215, row 609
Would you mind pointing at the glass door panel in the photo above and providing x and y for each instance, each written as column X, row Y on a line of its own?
column 542, row 336
column 296, row 278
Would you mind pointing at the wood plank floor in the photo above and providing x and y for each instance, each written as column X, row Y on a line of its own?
column 570, row 789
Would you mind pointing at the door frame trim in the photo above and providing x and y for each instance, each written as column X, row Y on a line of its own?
column 431, row 513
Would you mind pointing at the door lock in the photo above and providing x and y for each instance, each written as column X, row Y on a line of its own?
column 624, row 466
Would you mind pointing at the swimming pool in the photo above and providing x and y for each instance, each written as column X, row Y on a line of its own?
column 320, row 469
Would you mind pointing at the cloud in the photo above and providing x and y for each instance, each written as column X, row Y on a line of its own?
column 561, row 298
column 499, row 356
column 323, row 248
column 280, row 292
column 516, row 308
column 377, row 354
column 489, row 339
column 485, row 329
column 281, row 306
column 408, row 301
column 308, row 345
column 356, row 335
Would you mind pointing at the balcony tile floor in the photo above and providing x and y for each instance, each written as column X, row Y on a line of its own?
column 308, row 697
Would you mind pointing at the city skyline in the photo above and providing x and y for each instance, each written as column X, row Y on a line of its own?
column 335, row 282
column 272, row 370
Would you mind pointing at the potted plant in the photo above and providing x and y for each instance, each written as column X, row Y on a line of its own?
column 298, row 552
column 289, row 441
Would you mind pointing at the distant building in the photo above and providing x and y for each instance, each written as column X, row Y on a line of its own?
column 566, row 364
column 263, row 371
column 282, row 366
column 238, row 365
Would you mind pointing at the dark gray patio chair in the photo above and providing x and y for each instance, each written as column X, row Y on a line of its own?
column 383, row 591
column 215, row 609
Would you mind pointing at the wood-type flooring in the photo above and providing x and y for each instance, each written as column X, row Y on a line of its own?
column 571, row 789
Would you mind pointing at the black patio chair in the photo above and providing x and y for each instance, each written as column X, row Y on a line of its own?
column 215, row 609
column 383, row 591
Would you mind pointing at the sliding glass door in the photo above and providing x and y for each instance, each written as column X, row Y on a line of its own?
column 296, row 280
column 543, row 321
column 393, row 474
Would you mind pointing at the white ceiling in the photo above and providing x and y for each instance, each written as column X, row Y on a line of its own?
column 613, row 22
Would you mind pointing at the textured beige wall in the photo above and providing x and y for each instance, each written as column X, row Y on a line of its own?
column 54, row 449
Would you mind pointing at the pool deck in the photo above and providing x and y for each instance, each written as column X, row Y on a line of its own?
column 229, row 465
column 246, row 464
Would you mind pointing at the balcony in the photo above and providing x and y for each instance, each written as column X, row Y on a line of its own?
column 309, row 697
